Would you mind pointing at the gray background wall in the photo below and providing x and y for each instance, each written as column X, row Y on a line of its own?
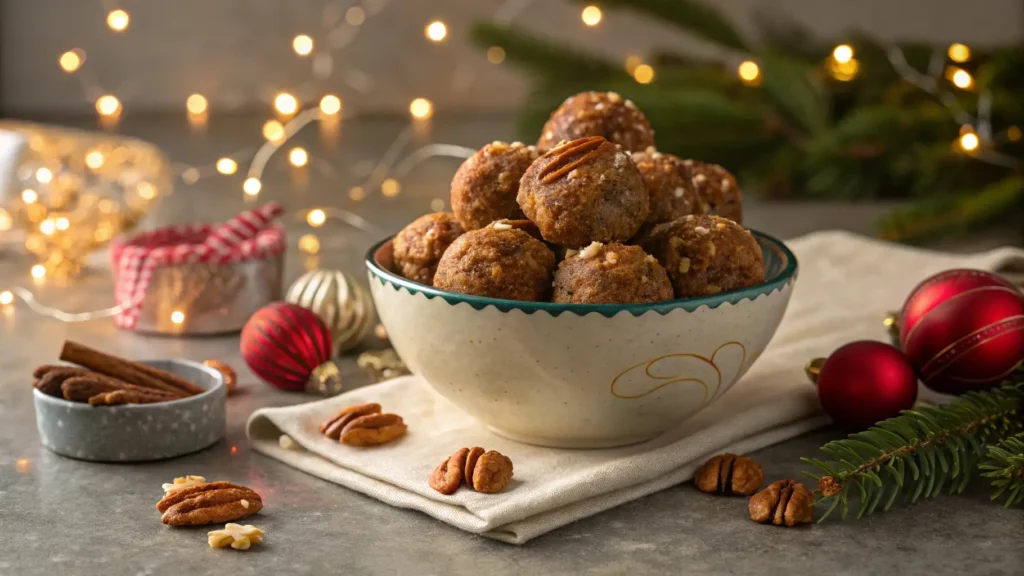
column 238, row 52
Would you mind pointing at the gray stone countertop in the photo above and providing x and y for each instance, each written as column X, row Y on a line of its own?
column 63, row 516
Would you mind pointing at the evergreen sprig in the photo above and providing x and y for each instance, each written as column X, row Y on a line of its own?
column 919, row 452
column 1004, row 464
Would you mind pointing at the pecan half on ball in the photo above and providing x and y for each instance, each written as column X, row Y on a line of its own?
column 729, row 474
column 783, row 503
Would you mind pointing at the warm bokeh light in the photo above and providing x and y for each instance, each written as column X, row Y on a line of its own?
column 844, row 71
column 44, row 175
column 117, row 20
column 1013, row 133
column 421, row 108
column 24, row 465
column 749, row 72
column 591, row 15
column 356, row 193
column 959, row 53
column 298, row 157
column 962, row 79
column 390, row 187
column 330, row 104
column 6, row 298
column 63, row 223
column 303, row 45
column 70, row 61
column 29, row 196
column 316, row 217
column 146, row 190
column 632, row 62
column 108, row 105
column 38, row 271
column 190, row 175
column 643, row 74
column 495, row 54
column 47, row 227
column 196, row 104
column 355, row 16
column 227, row 166
column 94, row 159
column 252, row 186
column 6, row 222
column 437, row 205
column 273, row 130
column 969, row 141
column 309, row 244
column 177, row 317
column 285, row 103
column 843, row 53
column 436, row 31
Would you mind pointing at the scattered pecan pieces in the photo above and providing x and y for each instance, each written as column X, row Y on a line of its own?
column 783, row 503
column 486, row 472
column 373, row 430
column 729, row 474
column 183, row 482
column 235, row 535
column 333, row 426
column 209, row 503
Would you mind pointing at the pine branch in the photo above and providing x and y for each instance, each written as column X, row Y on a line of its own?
column 697, row 18
column 917, row 453
column 789, row 84
column 1004, row 463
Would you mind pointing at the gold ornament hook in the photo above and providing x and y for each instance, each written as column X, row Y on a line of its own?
column 813, row 369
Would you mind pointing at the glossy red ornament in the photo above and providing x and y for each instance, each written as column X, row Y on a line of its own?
column 865, row 382
column 289, row 347
column 963, row 330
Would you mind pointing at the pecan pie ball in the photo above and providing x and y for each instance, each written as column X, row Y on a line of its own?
column 419, row 246
column 669, row 182
column 584, row 191
column 498, row 261
column 705, row 255
column 604, row 114
column 485, row 186
column 717, row 189
column 611, row 274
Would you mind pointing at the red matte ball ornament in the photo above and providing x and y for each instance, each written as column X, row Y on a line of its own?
column 289, row 347
column 865, row 382
column 963, row 330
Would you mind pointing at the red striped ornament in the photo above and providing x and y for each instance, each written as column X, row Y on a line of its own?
column 963, row 330
column 289, row 347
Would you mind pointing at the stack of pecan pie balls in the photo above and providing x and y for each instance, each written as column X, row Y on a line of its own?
column 593, row 214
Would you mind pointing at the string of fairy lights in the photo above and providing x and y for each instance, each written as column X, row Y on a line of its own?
column 343, row 25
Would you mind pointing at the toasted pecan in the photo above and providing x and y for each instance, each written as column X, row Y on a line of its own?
column 447, row 477
column 373, row 429
column 333, row 426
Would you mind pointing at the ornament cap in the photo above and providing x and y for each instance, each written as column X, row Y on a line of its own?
column 813, row 369
column 325, row 380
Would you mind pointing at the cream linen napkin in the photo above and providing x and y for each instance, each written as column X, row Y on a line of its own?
column 846, row 285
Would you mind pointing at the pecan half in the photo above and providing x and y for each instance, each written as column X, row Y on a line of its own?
column 729, row 474
column 472, row 456
column 783, row 503
column 210, row 503
column 333, row 426
column 492, row 472
column 447, row 477
column 372, row 430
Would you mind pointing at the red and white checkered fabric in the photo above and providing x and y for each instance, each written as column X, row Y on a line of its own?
column 248, row 236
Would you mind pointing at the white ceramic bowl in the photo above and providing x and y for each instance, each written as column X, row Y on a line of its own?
column 579, row 375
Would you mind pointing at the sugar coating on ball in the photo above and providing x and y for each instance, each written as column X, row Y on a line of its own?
column 670, row 184
column 611, row 274
column 584, row 191
column 419, row 246
column 499, row 261
column 604, row 114
column 706, row 255
column 717, row 189
column 485, row 186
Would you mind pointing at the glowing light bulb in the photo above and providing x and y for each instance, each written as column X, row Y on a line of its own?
column 6, row 298
column 843, row 53
column 47, row 227
column 298, row 157
column 436, row 31
column 117, row 20
column 286, row 103
column 63, row 223
column 355, row 15
column 959, row 53
column 252, row 186
column 495, row 54
column 146, row 191
column 94, row 159
column 303, row 45
column 6, row 222
column 38, row 271
column 356, row 193
column 749, row 72
column 309, row 244
column 273, row 130
column 421, row 108
column 962, row 79
column 196, row 104
column 227, row 166
column 107, row 105
column 390, row 188
column 177, row 317
column 591, row 15
column 643, row 74
column 316, row 218
column 29, row 196
column 969, row 141
column 70, row 61
column 44, row 175
column 330, row 104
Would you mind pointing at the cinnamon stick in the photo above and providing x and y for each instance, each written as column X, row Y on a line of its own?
column 117, row 397
column 83, row 388
column 50, row 380
column 126, row 370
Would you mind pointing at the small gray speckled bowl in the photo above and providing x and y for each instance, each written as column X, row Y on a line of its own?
column 137, row 432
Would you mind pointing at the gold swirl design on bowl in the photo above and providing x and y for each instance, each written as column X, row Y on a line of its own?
column 656, row 379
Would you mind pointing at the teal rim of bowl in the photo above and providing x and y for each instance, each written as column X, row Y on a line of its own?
column 780, row 270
